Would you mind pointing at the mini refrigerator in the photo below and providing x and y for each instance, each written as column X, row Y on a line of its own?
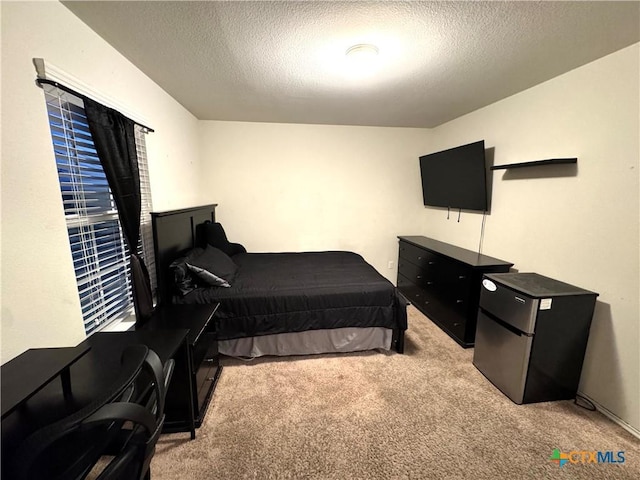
column 531, row 335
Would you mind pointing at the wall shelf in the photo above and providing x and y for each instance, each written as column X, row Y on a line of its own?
column 535, row 163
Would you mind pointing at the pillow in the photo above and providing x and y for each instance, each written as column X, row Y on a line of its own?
column 215, row 236
column 208, row 277
column 217, row 265
column 182, row 278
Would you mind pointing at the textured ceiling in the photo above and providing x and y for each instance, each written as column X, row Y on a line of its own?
column 284, row 61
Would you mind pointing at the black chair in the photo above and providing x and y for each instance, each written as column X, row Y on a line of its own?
column 118, row 431
column 214, row 235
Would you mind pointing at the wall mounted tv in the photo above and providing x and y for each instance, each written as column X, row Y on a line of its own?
column 455, row 178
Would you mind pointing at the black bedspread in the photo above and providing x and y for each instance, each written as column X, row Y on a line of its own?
column 293, row 292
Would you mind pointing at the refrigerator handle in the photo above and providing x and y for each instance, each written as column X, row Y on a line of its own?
column 509, row 327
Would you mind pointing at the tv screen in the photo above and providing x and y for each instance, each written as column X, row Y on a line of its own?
column 455, row 178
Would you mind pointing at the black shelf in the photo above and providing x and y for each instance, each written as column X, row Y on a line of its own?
column 535, row 163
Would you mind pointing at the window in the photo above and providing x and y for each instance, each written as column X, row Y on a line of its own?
column 99, row 251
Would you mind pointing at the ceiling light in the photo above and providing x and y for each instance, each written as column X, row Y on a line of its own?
column 362, row 60
column 362, row 52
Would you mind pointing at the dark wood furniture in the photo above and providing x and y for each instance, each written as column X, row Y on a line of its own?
column 93, row 374
column 443, row 282
column 203, row 352
column 31, row 371
column 177, row 231
column 174, row 231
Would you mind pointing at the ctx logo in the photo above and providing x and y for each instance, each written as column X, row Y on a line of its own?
column 585, row 456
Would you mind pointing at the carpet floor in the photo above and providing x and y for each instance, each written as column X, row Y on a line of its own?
column 426, row 414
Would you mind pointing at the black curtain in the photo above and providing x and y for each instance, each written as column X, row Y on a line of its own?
column 114, row 138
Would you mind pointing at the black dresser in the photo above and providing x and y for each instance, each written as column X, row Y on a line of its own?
column 443, row 282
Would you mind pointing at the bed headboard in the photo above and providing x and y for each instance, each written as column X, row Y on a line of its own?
column 173, row 232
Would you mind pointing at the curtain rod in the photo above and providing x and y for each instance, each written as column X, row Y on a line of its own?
column 42, row 81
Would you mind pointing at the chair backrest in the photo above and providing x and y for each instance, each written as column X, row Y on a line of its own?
column 135, row 446
column 125, row 422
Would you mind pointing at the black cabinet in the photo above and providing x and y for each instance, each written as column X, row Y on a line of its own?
column 443, row 282
column 532, row 335
column 204, row 369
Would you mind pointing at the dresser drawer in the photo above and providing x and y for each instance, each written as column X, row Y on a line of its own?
column 422, row 258
column 418, row 275
column 204, row 379
column 457, row 326
column 454, row 284
column 212, row 349
column 458, row 276
column 199, row 351
column 407, row 287
column 423, row 298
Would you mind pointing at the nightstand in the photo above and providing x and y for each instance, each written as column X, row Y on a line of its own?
column 203, row 352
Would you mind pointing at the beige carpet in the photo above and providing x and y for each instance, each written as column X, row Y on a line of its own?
column 425, row 414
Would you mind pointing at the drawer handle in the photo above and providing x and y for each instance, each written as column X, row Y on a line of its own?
column 456, row 324
column 418, row 276
column 459, row 301
column 210, row 360
column 430, row 283
column 431, row 263
column 426, row 302
column 521, row 300
column 461, row 277
column 419, row 258
column 210, row 379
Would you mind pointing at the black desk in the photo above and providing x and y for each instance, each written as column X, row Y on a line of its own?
column 31, row 371
column 93, row 373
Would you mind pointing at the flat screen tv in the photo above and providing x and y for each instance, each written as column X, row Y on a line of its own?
column 455, row 178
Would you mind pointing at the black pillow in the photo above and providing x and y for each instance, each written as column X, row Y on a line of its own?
column 217, row 265
column 182, row 278
column 217, row 238
column 208, row 277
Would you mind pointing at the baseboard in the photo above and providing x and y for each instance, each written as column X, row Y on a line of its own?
column 612, row 416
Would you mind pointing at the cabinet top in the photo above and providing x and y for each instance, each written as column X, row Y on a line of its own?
column 463, row 255
column 537, row 286
column 194, row 317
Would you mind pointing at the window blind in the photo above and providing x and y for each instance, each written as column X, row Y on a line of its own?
column 99, row 252
column 145, row 245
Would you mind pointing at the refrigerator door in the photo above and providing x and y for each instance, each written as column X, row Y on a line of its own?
column 509, row 305
column 502, row 355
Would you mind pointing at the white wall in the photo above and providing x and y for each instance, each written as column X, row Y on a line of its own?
column 315, row 187
column 581, row 229
column 40, row 305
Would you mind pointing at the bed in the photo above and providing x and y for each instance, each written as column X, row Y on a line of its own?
column 278, row 303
